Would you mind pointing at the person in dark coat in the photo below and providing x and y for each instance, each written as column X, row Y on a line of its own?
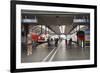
column 70, row 42
column 56, row 42
column 48, row 40
column 66, row 42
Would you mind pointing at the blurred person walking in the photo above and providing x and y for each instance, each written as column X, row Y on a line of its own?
column 70, row 43
column 56, row 42
column 29, row 44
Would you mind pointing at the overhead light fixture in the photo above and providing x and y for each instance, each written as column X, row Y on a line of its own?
column 62, row 28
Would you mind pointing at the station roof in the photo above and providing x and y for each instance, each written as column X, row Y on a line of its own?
column 53, row 20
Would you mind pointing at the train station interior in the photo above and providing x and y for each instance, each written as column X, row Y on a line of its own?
column 48, row 36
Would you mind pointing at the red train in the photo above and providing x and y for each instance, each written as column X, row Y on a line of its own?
column 38, row 38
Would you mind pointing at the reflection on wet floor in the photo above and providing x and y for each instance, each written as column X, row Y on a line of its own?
column 59, row 53
column 38, row 54
column 71, row 53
